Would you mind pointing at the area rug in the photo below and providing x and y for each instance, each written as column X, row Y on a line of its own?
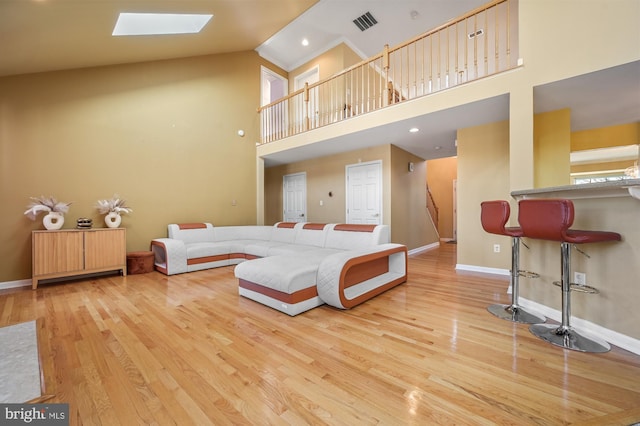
column 19, row 363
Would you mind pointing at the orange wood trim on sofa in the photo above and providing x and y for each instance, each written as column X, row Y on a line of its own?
column 297, row 297
column 237, row 256
column 286, row 225
column 207, row 259
column 364, row 271
column 314, row 226
column 354, row 227
column 367, row 260
column 183, row 226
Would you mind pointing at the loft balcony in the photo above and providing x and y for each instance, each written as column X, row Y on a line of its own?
column 479, row 44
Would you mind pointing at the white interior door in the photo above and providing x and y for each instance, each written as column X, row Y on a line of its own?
column 294, row 197
column 364, row 193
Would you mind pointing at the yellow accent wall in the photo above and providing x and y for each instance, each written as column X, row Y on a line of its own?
column 552, row 148
column 162, row 135
column 606, row 137
column 440, row 176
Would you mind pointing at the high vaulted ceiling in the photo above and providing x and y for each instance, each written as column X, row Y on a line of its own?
column 48, row 35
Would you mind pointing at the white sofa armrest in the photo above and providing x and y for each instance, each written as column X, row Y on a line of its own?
column 349, row 278
column 170, row 255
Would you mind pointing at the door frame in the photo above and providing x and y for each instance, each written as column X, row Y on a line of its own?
column 281, row 113
column 284, row 198
column 348, row 167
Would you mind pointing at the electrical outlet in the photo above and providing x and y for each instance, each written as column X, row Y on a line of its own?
column 496, row 248
column 580, row 278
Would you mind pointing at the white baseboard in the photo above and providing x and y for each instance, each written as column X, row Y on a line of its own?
column 622, row 341
column 482, row 269
column 423, row 248
column 15, row 284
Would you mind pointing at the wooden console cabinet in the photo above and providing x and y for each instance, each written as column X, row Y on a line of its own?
column 70, row 252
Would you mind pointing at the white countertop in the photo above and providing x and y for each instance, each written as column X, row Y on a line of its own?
column 624, row 188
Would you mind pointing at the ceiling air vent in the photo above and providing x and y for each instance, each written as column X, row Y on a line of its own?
column 365, row 21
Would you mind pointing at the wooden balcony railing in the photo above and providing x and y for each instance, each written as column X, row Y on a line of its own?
column 478, row 44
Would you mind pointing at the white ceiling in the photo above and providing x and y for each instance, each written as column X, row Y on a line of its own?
column 48, row 35
column 330, row 22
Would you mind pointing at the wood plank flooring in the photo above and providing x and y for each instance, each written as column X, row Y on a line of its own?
column 186, row 349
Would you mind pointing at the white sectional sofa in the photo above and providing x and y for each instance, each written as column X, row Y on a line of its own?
column 291, row 267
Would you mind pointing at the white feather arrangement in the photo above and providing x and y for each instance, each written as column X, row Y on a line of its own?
column 113, row 205
column 45, row 204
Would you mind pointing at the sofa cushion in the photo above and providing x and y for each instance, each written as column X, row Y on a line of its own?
column 309, row 236
column 237, row 233
column 286, row 274
column 191, row 232
column 356, row 236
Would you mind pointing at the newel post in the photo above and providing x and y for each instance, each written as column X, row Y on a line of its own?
column 306, row 105
column 385, row 67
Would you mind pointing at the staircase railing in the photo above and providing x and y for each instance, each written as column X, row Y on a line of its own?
column 432, row 208
column 478, row 44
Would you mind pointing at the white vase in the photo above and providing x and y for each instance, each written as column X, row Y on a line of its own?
column 113, row 220
column 53, row 220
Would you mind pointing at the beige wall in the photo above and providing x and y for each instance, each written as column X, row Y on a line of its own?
column 410, row 221
column 404, row 202
column 440, row 176
column 162, row 135
column 483, row 174
column 324, row 175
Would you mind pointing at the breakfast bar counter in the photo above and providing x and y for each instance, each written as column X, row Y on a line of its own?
column 611, row 267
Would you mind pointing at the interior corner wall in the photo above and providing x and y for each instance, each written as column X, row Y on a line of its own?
column 441, row 173
column 483, row 174
column 162, row 135
column 552, row 148
column 410, row 221
column 330, row 62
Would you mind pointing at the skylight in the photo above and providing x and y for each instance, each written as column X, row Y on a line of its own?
column 159, row 23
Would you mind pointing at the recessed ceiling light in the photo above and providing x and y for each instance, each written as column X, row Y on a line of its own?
column 305, row 42
column 414, row 130
column 159, row 23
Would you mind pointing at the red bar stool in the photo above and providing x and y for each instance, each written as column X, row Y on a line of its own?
column 494, row 216
column 550, row 219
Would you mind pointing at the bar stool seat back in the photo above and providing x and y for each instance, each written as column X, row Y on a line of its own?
column 494, row 216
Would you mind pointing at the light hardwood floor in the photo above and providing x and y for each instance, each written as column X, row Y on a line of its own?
column 186, row 349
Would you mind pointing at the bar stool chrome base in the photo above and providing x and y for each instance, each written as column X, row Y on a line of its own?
column 515, row 314
column 569, row 338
